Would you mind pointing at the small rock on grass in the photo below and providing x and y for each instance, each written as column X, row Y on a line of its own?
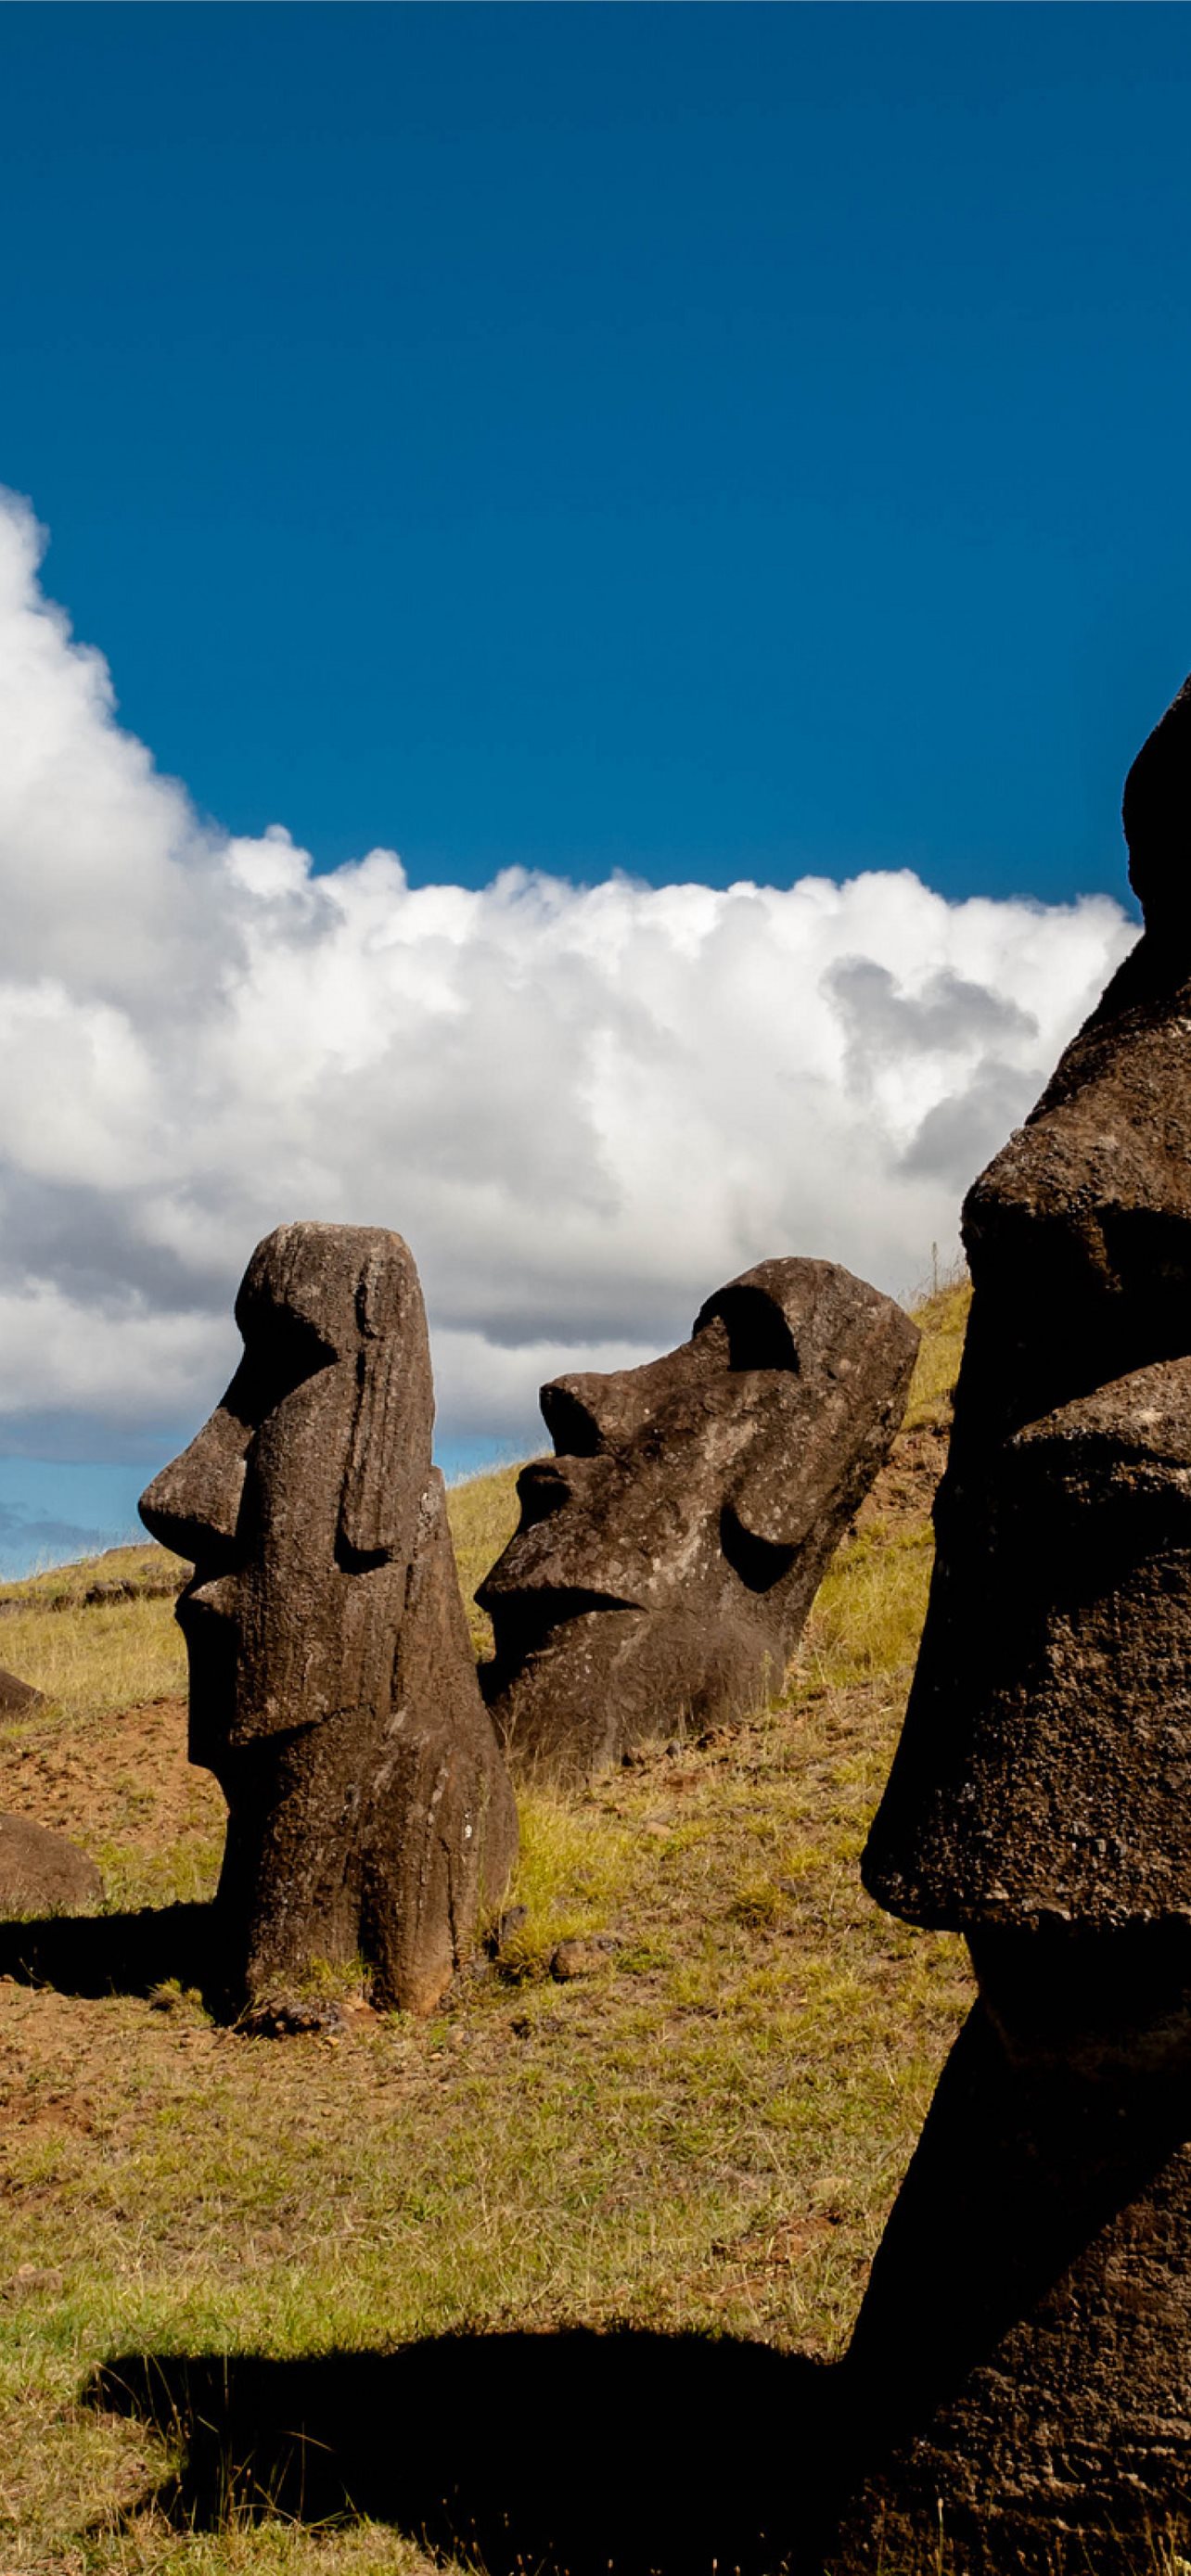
column 18, row 1698
column 33, row 2279
column 44, row 1873
column 582, row 1957
column 288, row 2017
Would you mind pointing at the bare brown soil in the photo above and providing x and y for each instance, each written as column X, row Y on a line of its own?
column 906, row 1487
column 128, row 1781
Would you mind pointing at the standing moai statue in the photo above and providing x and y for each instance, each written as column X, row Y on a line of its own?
column 669, row 1552
column 332, row 1682
column 1024, row 2347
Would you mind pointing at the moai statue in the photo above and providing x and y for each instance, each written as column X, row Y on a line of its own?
column 1024, row 2348
column 332, row 1682
column 669, row 1552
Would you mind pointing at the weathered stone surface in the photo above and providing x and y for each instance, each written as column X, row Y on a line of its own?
column 583, row 1956
column 18, row 1698
column 44, row 1873
column 332, row 1686
column 1025, row 2344
column 1020, row 2360
column 669, row 1552
column 1046, row 1759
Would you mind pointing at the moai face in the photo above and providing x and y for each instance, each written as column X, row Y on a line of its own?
column 1028, row 2316
column 299, row 1499
column 669, row 1551
column 1046, row 1760
column 332, row 1683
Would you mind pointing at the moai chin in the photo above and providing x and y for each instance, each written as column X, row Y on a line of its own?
column 1025, row 2342
column 668, row 1553
column 332, row 1681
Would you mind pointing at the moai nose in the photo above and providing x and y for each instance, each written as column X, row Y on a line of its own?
column 193, row 1506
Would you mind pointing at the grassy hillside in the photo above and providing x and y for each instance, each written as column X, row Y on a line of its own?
column 702, row 2134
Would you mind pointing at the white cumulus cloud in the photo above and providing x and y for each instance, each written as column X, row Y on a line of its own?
column 585, row 1107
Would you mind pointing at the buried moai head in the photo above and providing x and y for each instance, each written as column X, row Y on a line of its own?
column 332, row 1685
column 1044, row 1771
column 668, row 1553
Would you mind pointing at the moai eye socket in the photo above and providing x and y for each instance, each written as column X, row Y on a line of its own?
column 758, row 1335
column 275, row 1364
column 690, row 1509
column 571, row 1423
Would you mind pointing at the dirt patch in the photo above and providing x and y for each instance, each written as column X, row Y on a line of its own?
column 117, row 1779
column 905, row 1489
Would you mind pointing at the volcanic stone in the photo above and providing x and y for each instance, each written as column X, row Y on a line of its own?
column 1046, row 1759
column 1024, row 2349
column 332, row 1684
column 668, row 1553
column 583, row 1956
column 1019, row 2365
column 17, row 1698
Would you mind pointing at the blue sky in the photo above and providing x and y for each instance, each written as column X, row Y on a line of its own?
column 700, row 440
column 712, row 443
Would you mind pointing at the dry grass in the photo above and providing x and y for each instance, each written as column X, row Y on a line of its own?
column 705, row 2134
column 943, row 1319
column 141, row 1567
column 106, row 1654
column 483, row 1512
column 869, row 1609
column 87, row 1661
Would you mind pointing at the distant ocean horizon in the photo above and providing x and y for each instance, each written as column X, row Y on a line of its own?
column 53, row 1511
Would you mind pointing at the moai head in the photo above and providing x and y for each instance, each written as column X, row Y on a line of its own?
column 1027, row 2317
column 1044, row 1771
column 332, row 1683
column 299, row 1499
column 669, row 1551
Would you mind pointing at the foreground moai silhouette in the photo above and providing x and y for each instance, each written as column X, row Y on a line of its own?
column 332, row 1681
column 667, row 1555
column 1025, row 2343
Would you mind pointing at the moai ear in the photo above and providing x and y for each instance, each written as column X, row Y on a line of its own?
column 760, row 1523
column 832, row 1359
column 388, row 1457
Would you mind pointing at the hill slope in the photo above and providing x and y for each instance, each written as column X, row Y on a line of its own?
column 704, row 2133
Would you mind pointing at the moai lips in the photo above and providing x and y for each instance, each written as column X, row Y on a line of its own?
column 332, row 1685
column 1024, row 2347
column 669, row 1552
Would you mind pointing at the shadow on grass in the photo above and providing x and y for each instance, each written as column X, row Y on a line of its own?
column 573, row 2452
column 115, row 1954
